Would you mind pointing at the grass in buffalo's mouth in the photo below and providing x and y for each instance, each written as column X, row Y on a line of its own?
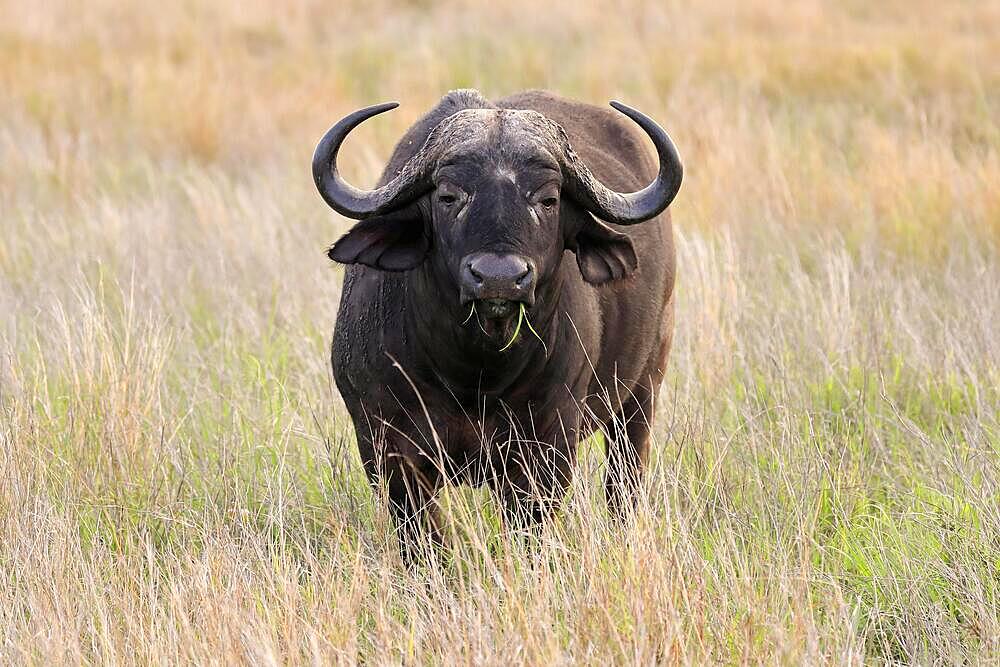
column 532, row 330
column 522, row 318
column 472, row 311
column 517, row 328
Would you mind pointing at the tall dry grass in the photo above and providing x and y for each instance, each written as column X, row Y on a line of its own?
column 178, row 481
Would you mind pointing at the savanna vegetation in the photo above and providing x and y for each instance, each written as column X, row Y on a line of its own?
column 178, row 478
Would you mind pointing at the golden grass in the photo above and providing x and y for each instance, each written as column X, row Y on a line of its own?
column 178, row 481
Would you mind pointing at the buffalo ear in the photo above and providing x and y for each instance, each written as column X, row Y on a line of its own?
column 393, row 241
column 602, row 253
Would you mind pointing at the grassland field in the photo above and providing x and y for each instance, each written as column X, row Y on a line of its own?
column 178, row 477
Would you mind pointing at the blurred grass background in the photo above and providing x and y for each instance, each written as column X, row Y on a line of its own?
column 178, row 479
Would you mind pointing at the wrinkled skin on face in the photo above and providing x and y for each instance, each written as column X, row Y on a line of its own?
column 489, row 320
column 492, row 223
column 495, row 213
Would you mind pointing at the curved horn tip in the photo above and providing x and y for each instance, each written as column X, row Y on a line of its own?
column 340, row 195
column 384, row 106
column 634, row 114
column 643, row 120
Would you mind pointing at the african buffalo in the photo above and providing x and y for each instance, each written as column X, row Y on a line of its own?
column 494, row 311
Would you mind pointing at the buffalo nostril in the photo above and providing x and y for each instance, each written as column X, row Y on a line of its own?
column 520, row 280
column 475, row 274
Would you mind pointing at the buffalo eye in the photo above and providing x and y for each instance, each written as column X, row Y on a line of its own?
column 547, row 196
column 449, row 194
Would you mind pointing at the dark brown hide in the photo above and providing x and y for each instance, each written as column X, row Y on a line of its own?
column 433, row 393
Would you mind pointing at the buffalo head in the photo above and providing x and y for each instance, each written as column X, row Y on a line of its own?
column 490, row 202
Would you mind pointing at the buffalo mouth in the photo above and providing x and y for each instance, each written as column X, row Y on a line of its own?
column 496, row 318
column 497, row 309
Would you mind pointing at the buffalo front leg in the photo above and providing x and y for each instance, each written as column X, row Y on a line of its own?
column 409, row 485
column 535, row 473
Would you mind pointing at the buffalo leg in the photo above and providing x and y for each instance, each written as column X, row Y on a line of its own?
column 409, row 489
column 627, row 439
column 535, row 477
column 411, row 503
